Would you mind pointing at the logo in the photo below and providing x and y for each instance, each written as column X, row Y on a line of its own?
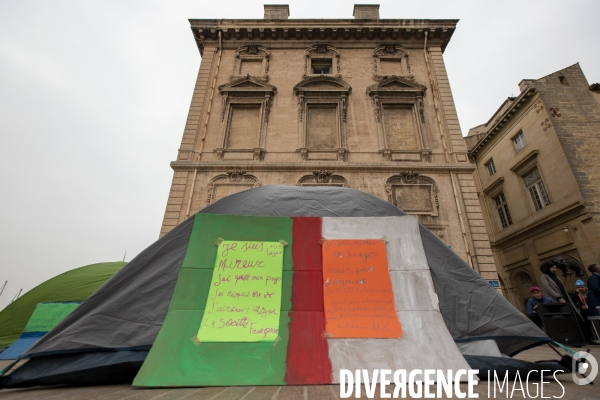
column 584, row 367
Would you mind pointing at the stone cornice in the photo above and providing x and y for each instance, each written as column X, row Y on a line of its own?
column 322, row 29
column 501, row 121
column 464, row 168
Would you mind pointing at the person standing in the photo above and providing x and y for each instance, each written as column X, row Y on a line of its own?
column 593, row 297
column 551, row 284
column 580, row 301
column 532, row 305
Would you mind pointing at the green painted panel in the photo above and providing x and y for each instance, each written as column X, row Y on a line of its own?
column 176, row 358
column 47, row 315
column 208, row 228
column 286, row 291
column 187, row 297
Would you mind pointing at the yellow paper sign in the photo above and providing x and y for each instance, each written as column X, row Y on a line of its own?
column 244, row 300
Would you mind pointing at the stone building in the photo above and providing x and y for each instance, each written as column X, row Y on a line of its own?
column 363, row 103
column 538, row 179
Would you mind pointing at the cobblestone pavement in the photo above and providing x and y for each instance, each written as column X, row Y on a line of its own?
column 566, row 389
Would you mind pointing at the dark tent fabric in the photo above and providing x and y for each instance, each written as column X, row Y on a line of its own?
column 511, row 367
column 97, row 368
column 127, row 312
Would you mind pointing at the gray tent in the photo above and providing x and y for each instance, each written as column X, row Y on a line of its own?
column 106, row 339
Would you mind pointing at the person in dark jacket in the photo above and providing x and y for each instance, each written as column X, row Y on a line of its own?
column 533, row 302
column 551, row 283
column 554, row 287
column 580, row 301
column 593, row 297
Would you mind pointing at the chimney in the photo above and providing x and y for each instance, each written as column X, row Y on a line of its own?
column 277, row 11
column 366, row 11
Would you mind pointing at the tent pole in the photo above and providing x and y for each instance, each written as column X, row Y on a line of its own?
column 435, row 93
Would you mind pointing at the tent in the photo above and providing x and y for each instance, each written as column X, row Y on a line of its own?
column 74, row 285
column 45, row 317
column 107, row 338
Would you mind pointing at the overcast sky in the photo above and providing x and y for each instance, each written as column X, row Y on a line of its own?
column 94, row 96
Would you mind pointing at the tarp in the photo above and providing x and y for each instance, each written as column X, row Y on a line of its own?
column 74, row 285
column 19, row 346
column 45, row 317
column 128, row 311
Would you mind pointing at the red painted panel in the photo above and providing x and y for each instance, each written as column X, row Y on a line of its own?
column 307, row 357
column 307, row 291
column 306, row 250
column 307, row 354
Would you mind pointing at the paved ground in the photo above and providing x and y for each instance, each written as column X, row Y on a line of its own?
column 320, row 392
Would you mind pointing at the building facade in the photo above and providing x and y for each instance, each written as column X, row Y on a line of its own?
column 538, row 179
column 363, row 103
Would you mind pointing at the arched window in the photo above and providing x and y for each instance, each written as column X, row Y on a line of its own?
column 251, row 59
column 321, row 59
column 524, row 278
column 235, row 180
column 413, row 193
column 323, row 177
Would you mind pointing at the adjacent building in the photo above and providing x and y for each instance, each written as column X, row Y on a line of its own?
column 363, row 103
column 538, row 179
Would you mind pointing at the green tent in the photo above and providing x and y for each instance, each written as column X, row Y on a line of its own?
column 75, row 285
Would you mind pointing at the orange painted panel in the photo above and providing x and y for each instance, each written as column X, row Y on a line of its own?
column 357, row 290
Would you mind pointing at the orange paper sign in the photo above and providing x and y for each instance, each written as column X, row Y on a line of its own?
column 357, row 291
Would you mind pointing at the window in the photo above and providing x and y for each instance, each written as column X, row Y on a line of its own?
column 321, row 59
column 400, row 132
column 321, row 66
column 244, row 126
column 413, row 193
column 491, row 168
column 525, row 278
column 245, row 103
column 390, row 66
column 251, row 59
column 322, row 116
column 251, row 66
column 519, row 141
column 322, row 131
column 533, row 182
column 502, row 208
column 390, row 59
column 400, row 115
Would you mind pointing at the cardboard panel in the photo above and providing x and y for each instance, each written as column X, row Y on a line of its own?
column 176, row 358
column 308, row 355
column 307, row 288
column 404, row 247
column 413, row 291
column 306, row 249
column 357, row 291
column 208, row 228
column 426, row 344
